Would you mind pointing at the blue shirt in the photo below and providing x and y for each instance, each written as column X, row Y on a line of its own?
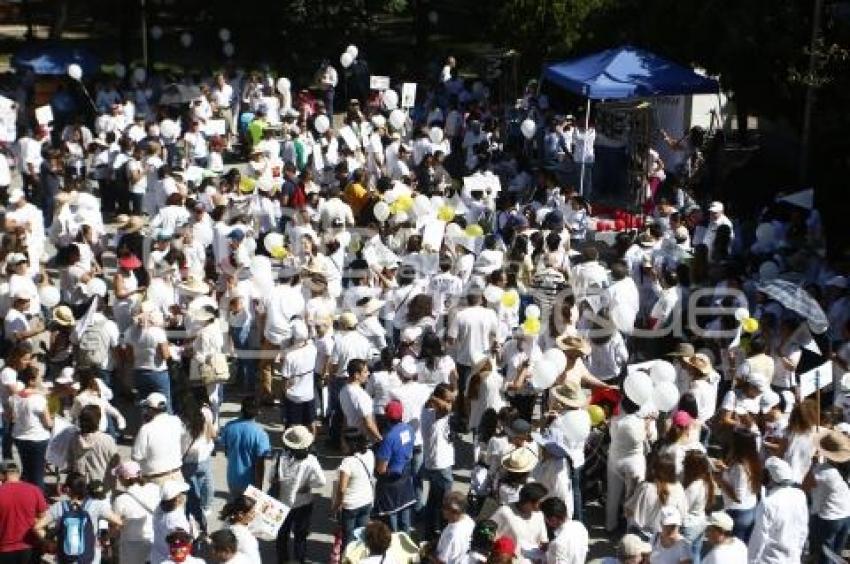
column 397, row 448
column 244, row 442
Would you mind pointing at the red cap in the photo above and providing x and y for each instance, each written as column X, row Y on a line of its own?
column 504, row 545
column 394, row 410
column 130, row 262
column 682, row 419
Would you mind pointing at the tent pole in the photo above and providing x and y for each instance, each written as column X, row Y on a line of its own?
column 584, row 153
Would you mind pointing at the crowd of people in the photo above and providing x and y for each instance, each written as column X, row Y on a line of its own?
column 418, row 295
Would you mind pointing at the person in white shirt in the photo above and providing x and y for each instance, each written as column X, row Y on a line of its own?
column 223, row 96
column 726, row 548
column 456, row 536
column 448, row 70
column 523, row 521
column 438, row 454
column 569, row 540
column 224, row 547
column 357, row 407
column 782, row 519
column 160, row 460
column 354, row 494
column 717, row 219
column 830, row 495
column 297, row 369
column 135, row 507
column 238, row 514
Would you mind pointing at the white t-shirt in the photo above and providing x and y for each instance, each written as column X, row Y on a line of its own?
column 246, row 543
column 138, row 187
column 28, row 410
column 738, row 478
column 570, row 544
column 831, row 495
column 163, row 525
column 155, row 455
column 438, row 450
column 473, row 328
column 732, row 552
column 15, row 322
column 145, row 343
column 359, row 467
column 379, row 385
column 674, row 554
column 413, row 396
column 455, row 538
column 297, row 369
column 347, row 347
column 440, row 374
column 528, row 533
column 356, row 405
column 136, row 507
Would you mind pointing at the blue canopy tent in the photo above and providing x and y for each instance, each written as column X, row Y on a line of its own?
column 625, row 73
column 53, row 59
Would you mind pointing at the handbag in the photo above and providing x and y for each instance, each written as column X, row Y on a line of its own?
column 215, row 370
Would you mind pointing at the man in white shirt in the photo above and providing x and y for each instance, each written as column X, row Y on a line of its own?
column 160, row 460
column 438, row 454
column 623, row 298
column 17, row 326
column 330, row 78
column 523, row 522
column 782, row 518
column 448, row 69
column 716, row 218
column 356, row 404
column 725, row 547
column 284, row 302
column 456, row 537
column 136, row 507
column 223, row 96
column 569, row 541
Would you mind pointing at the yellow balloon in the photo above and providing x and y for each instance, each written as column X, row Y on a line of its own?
column 597, row 415
column 279, row 252
column 246, row 185
column 510, row 298
column 404, row 203
column 750, row 325
column 446, row 213
column 531, row 326
column 474, row 230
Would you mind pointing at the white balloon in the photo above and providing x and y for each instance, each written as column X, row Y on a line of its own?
column 353, row 51
column 120, row 70
column 741, row 314
column 75, row 71
column 557, row 357
column 186, row 39
column 493, row 294
column 379, row 121
column 228, row 49
column 453, row 231
column 638, row 387
column 575, row 425
column 272, row 241
column 96, row 287
column 390, row 98
column 768, row 271
column 381, row 211
column 543, row 374
column 532, row 312
column 436, row 135
column 528, row 128
column 48, row 296
column 422, row 205
column 156, row 32
column 345, row 60
column 139, row 74
column 397, row 119
column 322, row 123
column 224, row 34
column 662, row 371
column 283, row 85
column 765, row 233
column 433, row 17
column 261, row 264
column 666, row 396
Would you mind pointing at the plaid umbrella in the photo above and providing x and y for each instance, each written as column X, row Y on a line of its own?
column 794, row 297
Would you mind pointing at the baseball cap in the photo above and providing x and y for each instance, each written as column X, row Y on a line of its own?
column 16, row 258
column 504, row 545
column 155, row 399
column 757, row 379
column 519, row 427
column 127, row 470
column 407, row 367
column 779, row 470
column 23, row 294
column 236, row 234
column 632, row 545
column 682, row 418
column 394, row 410
column 670, row 516
column 721, row 520
column 716, row 207
column 66, row 376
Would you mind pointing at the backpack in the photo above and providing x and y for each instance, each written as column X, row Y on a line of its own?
column 76, row 535
column 93, row 346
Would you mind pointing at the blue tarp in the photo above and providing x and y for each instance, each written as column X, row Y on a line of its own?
column 627, row 72
column 45, row 58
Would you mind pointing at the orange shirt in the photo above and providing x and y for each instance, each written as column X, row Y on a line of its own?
column 356, row 196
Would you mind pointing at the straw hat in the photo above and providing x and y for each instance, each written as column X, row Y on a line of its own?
column 700, row 362
column 298, row 437
column 569, row 394
column 833, row 445
column 683, row 349
column 569, row 343
column 348, row 320
column 371, row 307
column 194, row 286
column 519, row 460
column 121, row 220
column 134, row 224
column 62, row 315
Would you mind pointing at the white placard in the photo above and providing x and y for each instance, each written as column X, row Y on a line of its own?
column 349, row 137
column 269, row 514
column 44, row 114
column 408, row 94
column 432, row 234
column 819, row 377
column 215, row 127
column 8, row 120
column 379, row 82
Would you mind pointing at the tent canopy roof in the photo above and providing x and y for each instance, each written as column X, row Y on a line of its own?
column 627, row 72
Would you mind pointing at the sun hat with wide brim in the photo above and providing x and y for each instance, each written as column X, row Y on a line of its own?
column 298, row 437
column 371, row 307
column 134, row 224
column 700, row 362
column 833, row 445
column 519, row 460
column 569, row 395
column 569, row 343
column 194, row 286
column 62, row 315
column 683, row 349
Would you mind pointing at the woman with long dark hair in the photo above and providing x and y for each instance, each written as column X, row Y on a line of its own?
column 436, row 367
column 660, row 490
column 199, row 442
column 238, row 514
column 699, row 491
column 739, row 479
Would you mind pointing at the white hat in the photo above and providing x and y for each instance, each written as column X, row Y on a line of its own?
column 632, row 545
column 173, row 488
column 348, row 320
column 769, row 399
column 747, row 406
column 837, row 282
column 155, row 399
column 411, row 334
column 407, row 368
column 16, row 258
column 779, row 470
column 721, row 520
column 757, row 379
column 670, row 516
column 16, row 196
column 23, row 294
column 299, row 330
column 519, row 460
column 66, row 376
column 716, row 207
column 298, row 437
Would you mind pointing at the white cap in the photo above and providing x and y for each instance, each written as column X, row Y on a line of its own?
column 173, row 488
column 16, row 196
column 716, row 207
column 843, row 427
column 407, row 367
column 632, row 545
column 670, row 516
column 769, row 399
column 721, row 520
column 779, row 470
column 23, row 294
column 155, row 399
column 411, row 334
column 16, row 258
column 757, row 379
